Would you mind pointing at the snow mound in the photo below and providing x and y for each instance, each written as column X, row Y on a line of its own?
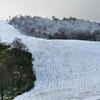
column 65, row 69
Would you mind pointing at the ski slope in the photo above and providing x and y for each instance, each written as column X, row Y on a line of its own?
column 65, row 69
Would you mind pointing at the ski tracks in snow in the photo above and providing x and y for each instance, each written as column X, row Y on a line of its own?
column 65, row 69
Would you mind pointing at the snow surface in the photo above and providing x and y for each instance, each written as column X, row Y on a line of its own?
column 93, row 98
column 65, row 69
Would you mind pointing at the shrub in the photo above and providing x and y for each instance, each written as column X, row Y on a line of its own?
column 16, row 72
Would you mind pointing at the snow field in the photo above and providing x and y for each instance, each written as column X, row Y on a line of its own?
column 65, row 69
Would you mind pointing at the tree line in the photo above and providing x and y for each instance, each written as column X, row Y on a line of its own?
column 39, row 27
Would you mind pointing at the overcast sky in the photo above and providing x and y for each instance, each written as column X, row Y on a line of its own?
column 86, row 9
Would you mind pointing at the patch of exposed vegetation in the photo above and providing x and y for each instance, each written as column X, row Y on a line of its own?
column 16, row 73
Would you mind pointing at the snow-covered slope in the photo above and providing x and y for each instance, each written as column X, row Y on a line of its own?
column 65, row 69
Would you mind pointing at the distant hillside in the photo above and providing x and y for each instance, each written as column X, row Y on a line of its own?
column 66, row 28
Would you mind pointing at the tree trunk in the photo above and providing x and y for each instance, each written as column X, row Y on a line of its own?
column 1, row 91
